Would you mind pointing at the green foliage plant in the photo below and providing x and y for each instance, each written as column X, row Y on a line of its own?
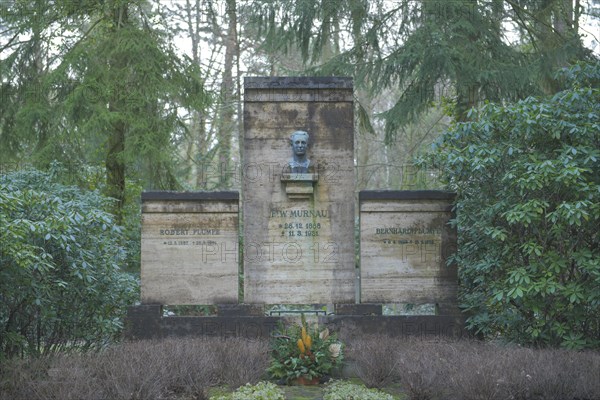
column 421, row 52
column 99, row 82
column 260, row 391
column 61, row 286
column 344, row 390
column 527, row 175
column 304, row 351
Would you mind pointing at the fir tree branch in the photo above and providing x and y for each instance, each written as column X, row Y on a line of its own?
column 78, row 42
column 10, row 44
column 534, row 18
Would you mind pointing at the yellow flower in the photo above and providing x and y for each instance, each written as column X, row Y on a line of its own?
column 301, row 346
column 334, row 349
column 307, row 342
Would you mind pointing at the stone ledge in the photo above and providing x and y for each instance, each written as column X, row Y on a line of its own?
column 358, row 309
column 350, row 327
column 405, row 195
column 191, row 196
column 144, row 323
column 294, row 82
column 240, row 310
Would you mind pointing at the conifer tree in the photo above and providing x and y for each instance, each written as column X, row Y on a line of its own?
column 112, row 92
column 423, row 48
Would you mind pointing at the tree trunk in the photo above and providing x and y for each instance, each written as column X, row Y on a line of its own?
column 558, row 39
column 226, row 123
column 362, row 143
column 467, row 90
column 115, row 165
column 197, row 141
column 37, row 96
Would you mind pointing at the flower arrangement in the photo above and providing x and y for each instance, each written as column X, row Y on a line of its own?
column 304, row 353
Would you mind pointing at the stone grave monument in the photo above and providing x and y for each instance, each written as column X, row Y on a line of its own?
column 298, row 191
column 189, row 248
column 405, row 241
column 297, row 241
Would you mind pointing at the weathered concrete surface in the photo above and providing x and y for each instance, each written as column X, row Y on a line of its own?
column 298, row 245
column 349, row 327
column 146, row 322
column 405, row 240
column 190, row 249
column 358, row 309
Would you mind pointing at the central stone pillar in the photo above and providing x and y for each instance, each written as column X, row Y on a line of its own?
column 298, row 191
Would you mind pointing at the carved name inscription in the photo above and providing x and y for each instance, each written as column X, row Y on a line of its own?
column 190, row 251
column 299, row 219
column 404, row 247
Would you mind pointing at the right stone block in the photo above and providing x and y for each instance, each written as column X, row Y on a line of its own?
column 405, row 241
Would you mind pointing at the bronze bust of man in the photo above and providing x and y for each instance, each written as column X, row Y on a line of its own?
column 299, row 163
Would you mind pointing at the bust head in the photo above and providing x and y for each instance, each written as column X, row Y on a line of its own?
column 299, row 163
column 299, row 141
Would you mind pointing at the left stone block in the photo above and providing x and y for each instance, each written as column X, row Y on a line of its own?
column 190, row 252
